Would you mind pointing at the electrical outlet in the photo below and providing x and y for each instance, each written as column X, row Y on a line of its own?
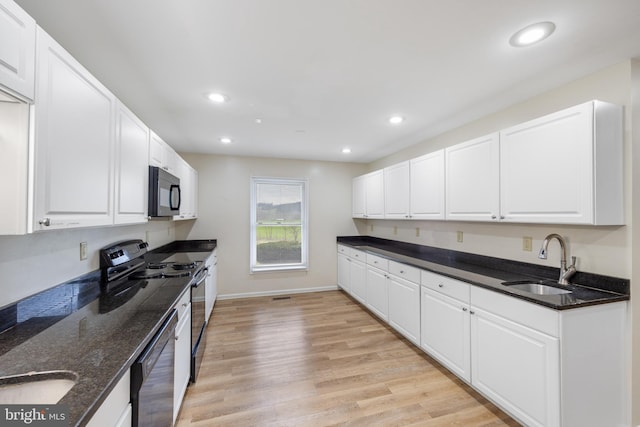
column 417, row 231
column 371, row 228
column 83, row 251
column 395, row 230
column 460, row 237
column 527, row 244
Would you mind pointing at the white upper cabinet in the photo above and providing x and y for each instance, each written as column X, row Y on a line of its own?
column 368, row 195
column 74, row 143
column 17, row 49
column 162, row 155
column 132, row 173
column 397, row 190
column 358, row 197
column 375, row 194
column 473, row 180
column 188, row 190
column 14, row 162
column 565, row 167
column 427, row 186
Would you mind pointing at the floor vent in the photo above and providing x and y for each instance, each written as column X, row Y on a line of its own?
column 280, row 298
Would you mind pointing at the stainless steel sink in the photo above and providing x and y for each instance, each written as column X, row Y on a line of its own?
column 36, row 388
column 537, row 288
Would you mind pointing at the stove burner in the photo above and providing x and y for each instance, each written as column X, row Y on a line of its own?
column 156, row 265
column 158, row 274
column 184, row 265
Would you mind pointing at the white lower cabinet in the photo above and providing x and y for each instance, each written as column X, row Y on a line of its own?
column 211, row 284
column 358, row 276
column 344, row 272
column 115, row 410
column 544, row 367
column 377, row 299
column 404, row 300
column 182, row 352
column 516, row 367
column 445, row 331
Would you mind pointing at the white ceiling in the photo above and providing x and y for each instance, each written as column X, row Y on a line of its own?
column 326, row 74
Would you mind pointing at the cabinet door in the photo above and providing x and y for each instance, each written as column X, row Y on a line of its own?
column 472, row 183
column 74, row 143
column 17, row 49
column 358, row 197
column 194, row 192
column 377, row 299
column 344, row 274
column 525, row 379
column 211, row 285
column 183, row 172
column 115, row 408
column 374, row 198
column 162, row 155
column 358, row 280
column 132, row 173
column 445, row 331
column 547, row 168
column 182, row 361
column 396, row 191
column 404, row 308
column 427, row 186
column 14, row 165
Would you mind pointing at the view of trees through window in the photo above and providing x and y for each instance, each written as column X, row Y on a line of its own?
column 279, row 222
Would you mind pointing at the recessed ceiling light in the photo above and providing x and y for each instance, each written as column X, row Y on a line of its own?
column 217, row 97
column 258, row 121
column 225, row 140
column 346, row 150
column 395, row 120
column 532, row 34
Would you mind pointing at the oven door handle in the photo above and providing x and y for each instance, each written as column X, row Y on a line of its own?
column 200, row 277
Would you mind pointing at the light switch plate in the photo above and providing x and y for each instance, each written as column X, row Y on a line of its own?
column 460, row 237
column 83, row 251
column 527, row 244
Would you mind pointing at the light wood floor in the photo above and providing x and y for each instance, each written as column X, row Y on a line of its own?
column 319, row 359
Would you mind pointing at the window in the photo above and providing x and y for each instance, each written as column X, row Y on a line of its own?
column 279, row 235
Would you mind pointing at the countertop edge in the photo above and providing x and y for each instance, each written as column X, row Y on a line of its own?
column 359, row 243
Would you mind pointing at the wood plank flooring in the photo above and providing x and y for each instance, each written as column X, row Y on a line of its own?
column 319, row 359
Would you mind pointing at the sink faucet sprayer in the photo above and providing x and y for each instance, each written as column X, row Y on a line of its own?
column 565, row 272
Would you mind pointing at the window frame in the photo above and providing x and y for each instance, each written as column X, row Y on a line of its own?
column 304, row 225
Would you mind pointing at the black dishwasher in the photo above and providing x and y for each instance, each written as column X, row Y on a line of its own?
column 152, row 379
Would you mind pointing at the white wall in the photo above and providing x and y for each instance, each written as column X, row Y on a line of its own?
column 35, row 262
column 603, row 250
column 223, row 205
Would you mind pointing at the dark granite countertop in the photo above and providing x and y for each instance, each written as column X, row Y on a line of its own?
column 490, row 273
column 70, row 327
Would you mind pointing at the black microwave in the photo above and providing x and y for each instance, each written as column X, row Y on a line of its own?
column 164, row 193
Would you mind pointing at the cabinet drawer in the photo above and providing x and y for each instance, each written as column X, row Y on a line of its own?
column 343, row 250
column 183, row 303
column 445, row 285
column 378, row 262
column 359, row 255
column 404, row 271
column 525, row 313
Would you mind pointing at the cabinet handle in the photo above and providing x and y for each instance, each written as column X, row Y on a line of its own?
column 184, row 304
column 493, row 217
column 401, row 271
column 46, row 222
column 464, row 308
column 472, row 312
column 501, row 216
column 441, row 285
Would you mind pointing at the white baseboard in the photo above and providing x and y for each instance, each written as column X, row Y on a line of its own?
column 278, row 292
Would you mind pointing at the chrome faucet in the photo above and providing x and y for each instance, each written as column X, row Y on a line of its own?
column 565, row 272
